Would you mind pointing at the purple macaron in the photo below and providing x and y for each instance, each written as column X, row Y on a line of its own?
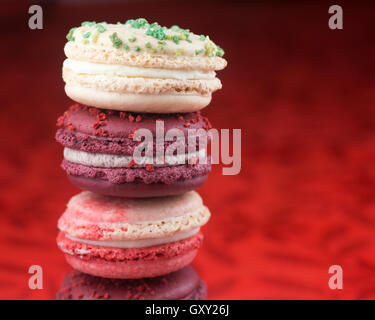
column 99, row 146
column 183, row 284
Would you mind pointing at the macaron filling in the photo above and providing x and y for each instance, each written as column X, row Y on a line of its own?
column 98, row 253
column 124, row 161
column 139, row 243
column 85, row 67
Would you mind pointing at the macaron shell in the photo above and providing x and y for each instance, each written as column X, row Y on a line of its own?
column 132, row 263
column 113, row 56
column 79, row 128
column 140, row 102
column 183, row 284
column 139, row 86
column 97, row 217
column 102, row 50
column 166, row 175
column 136, row 189
column 131, row 269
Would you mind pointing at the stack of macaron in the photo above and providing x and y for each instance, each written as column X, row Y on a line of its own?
column 136, row 224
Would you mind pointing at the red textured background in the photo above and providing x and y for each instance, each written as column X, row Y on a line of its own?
column 303, row 96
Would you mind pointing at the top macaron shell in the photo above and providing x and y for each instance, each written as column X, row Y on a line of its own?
column 92, row 216
column 141, row 67
column 106, row 131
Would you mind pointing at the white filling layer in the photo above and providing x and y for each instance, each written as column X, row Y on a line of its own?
column 103, row 160
column 141, row 243
column 126, row 71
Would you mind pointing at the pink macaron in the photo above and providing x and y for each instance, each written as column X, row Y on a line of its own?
column 131, row 238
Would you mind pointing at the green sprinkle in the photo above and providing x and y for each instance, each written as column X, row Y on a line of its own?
column 116, row 41
column 153, row 50
column 197, row 52
column 176, row 40
column 126, row 47
column 138, row 23
column 219, row 52
column 137, row 48
column 148, row 45
column 156, row 31
column 69, row 36
column 132, row 39
column 179, row 52
column 175, row 28
column 202, row 37
column 162, row 43
column 184, row 33
column 155, row 25
column 88, row 23
column 188, row 40
column 87, row 34
column 100, row 28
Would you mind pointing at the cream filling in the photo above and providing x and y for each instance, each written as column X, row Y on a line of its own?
column 103, row 160
column 85, row 67
column 141, row 243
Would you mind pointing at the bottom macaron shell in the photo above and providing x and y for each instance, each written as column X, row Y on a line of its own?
column 132, row 263
column 133, row 269
column 154, row 103
column 183, row 284
column 137, row 190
